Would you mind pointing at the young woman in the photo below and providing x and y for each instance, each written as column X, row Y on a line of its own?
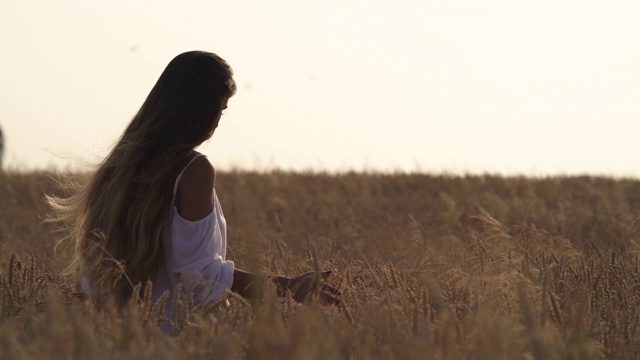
column 150, row 211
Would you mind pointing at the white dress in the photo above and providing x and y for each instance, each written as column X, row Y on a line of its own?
column 194, row 255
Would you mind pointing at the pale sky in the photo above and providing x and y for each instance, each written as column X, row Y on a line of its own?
column 510, row 87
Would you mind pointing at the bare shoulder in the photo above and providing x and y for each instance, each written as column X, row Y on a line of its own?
column 195, row 190
column 199, row 171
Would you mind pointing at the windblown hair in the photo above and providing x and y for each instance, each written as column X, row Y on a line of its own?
column 115, row 218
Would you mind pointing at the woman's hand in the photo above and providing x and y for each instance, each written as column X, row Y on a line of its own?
column 308, row 286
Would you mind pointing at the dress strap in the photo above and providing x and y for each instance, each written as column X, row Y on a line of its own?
column 175, row 186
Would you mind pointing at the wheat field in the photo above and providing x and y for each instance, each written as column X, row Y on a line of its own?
column 430, row 266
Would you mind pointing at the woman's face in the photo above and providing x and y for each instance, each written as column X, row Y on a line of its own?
column 223, row 106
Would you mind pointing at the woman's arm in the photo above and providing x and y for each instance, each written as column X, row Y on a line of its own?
column 248, row 285
column 303, row 288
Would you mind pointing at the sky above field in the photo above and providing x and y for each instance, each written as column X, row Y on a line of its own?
column 511, row 87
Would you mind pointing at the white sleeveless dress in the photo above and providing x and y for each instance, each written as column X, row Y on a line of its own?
column 194, row 254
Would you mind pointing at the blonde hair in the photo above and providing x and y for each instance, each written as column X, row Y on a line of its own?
column 116, row 216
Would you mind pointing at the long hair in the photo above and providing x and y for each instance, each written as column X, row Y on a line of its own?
column 116, row 217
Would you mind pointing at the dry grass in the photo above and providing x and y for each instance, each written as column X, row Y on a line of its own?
column 443, row 267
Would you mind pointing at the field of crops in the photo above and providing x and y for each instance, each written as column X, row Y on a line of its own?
column 430, row 266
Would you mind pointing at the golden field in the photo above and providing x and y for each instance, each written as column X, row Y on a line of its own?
column 431, row 267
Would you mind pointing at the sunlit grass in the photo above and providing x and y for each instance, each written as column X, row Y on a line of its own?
column 480, row 267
